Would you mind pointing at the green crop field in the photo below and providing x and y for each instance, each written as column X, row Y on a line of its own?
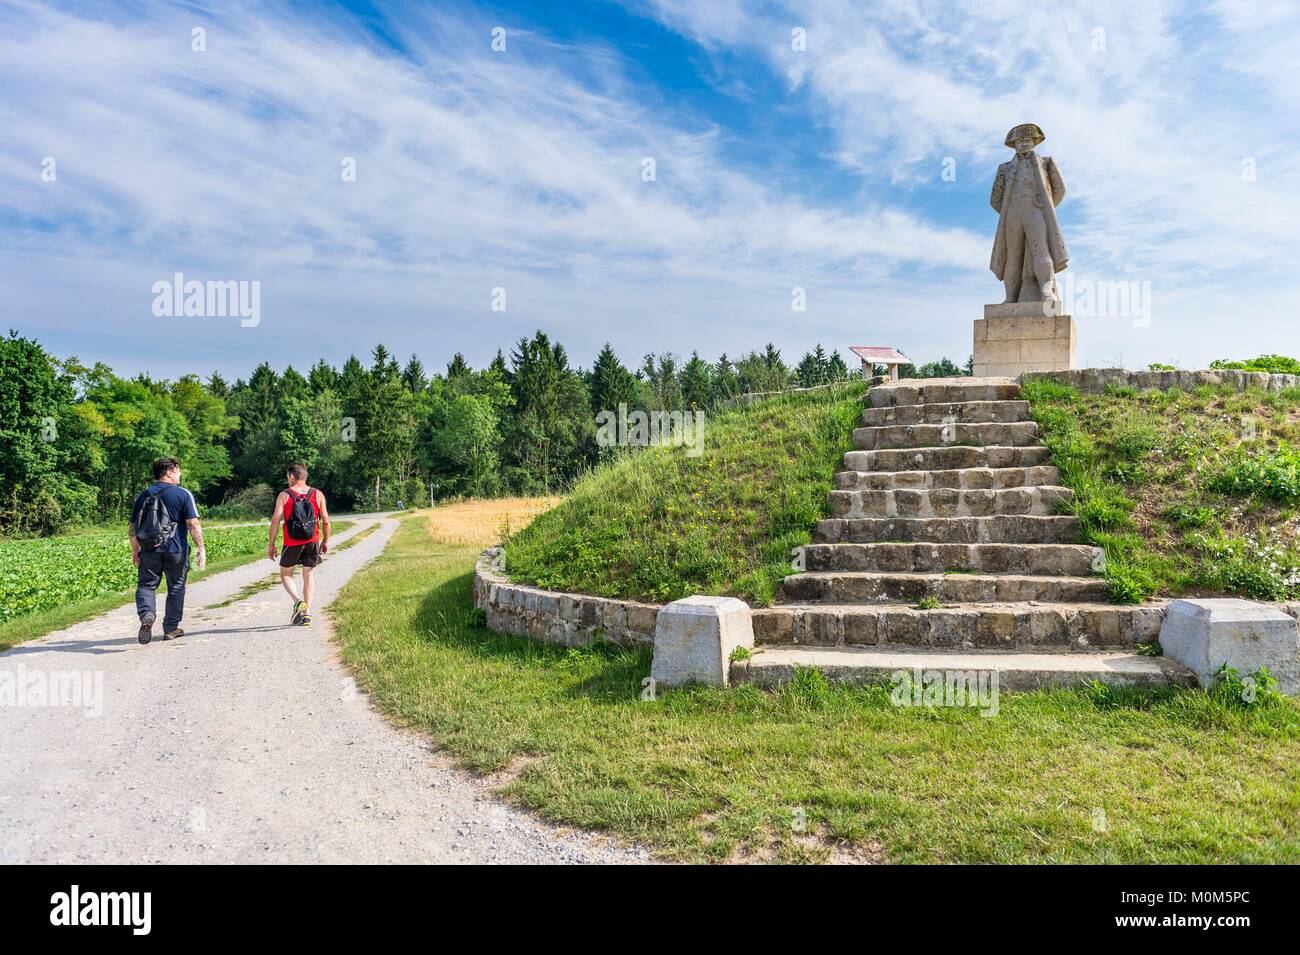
column 49, row 572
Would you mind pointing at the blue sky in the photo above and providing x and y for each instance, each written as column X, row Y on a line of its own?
column 776, row 168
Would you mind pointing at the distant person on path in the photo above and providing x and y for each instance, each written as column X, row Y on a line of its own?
column 305, row 516
column 162, row 519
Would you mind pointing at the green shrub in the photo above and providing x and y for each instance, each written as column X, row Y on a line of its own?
column 1273, row 474
column 1134, row 442
column 252, row 502
column 1262, row 567
column 1185, row 515
column 1273, row 364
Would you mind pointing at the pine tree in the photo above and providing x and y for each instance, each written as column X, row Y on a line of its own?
column 458, row 367
column 823, row 364
column 611, row 384
column 413, row 376
column 807, row 371
column 838, row 369
column 350, row 383
column 292, row 385
column 553, row 424
column 383, row 367
column 258, row 402
column 697, row 383
column 724, row 379
column 322, row 377
column 663, row 386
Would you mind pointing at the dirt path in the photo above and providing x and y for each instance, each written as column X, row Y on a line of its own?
column 243, row 741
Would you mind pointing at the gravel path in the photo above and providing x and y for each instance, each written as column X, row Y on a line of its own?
column 244, row 741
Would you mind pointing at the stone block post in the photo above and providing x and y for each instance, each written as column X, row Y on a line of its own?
column 694, row 639
column 1205, row 634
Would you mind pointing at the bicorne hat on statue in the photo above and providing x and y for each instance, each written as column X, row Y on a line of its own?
column 1025, row 129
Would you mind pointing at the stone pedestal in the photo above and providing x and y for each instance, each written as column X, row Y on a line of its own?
column 1012, row 339
column 1204, row 634
column 694, row 639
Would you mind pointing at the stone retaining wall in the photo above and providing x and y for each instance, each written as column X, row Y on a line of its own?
column 1097, row 380
column 574, row 619
column 565, row 619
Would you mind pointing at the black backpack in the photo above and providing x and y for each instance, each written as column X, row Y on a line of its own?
column 154, row 527
column 302, row 519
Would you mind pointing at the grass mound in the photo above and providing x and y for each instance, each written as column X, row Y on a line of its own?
column 1189, row 493
column 658, row 525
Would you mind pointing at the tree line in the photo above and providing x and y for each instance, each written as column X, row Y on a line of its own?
column 77, row 442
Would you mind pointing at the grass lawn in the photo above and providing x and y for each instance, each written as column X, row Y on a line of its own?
column 1189, row 493
column 237, row 546
column 656, row 524
column 709, row 775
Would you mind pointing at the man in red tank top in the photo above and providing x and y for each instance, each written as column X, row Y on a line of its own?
column 306, row 537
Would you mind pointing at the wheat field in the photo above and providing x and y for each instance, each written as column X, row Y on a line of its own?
column 480, row 521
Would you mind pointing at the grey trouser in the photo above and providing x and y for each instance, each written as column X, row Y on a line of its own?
column 153, row 566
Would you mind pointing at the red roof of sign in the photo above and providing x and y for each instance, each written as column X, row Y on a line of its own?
column 880, row 354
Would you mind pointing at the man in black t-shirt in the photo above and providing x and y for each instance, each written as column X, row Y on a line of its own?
column 171, row 558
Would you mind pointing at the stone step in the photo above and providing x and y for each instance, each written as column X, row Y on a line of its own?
column 998, row 529
column 948, row 502
column 944, row 412
column 965, row 479
column 945, row 458
column 998, row 433
column 931, row 391
column 1005, row 626
column 1077, row 560
column 775, row 666
column 854, row 587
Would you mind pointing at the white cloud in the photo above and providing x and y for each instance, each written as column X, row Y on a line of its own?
column 474, row 169
column 522, row 169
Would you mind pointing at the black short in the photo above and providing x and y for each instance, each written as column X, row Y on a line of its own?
column 308, row 555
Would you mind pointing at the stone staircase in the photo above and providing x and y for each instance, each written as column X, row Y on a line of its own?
column 950, row 499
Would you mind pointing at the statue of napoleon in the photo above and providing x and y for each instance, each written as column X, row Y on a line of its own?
column 1029, row 249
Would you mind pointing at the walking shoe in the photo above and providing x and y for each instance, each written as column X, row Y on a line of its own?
column 146, row 628
column 299, row 608
column 304, row 619
column 174, row 634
